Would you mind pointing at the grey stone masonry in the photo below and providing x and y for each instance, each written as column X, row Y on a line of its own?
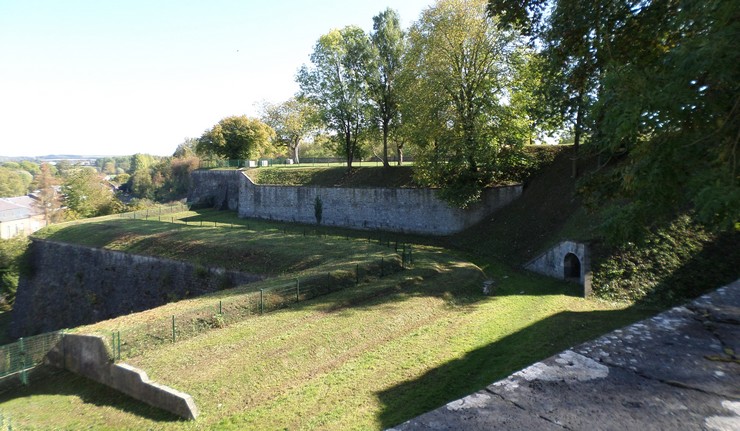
column 70, row 285
column 406, row 210
column 556, row 262
column 676, row 371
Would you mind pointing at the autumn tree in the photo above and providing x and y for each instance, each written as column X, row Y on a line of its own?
column 48, row 197
column 336, row 84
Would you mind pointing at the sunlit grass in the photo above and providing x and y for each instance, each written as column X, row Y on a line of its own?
column 366, row 357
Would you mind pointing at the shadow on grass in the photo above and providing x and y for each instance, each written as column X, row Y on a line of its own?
column 481, row 367
column 54, row 382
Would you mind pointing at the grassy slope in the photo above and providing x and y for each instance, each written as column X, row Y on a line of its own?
column 364, row 358
column 339, row 363
column 525, row 227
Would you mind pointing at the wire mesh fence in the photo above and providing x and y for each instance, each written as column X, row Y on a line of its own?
column 159, row 212
column 26, row 353
column 277, row 294
column 304, row 161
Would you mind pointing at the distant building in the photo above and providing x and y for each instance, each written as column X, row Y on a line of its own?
column 20, row 216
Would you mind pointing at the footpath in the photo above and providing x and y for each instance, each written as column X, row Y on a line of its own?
column 679, row 370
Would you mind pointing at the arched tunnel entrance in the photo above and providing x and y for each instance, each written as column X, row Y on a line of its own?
column 571, row 267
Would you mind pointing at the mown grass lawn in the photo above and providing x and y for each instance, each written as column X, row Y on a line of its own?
column 367, row 357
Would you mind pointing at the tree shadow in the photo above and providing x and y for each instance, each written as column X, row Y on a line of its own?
column 481, row 367
column 51, row 381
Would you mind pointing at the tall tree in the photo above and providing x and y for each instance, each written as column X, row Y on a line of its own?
column 459, row 67
column 337, row 86
column 49, row 199
column 292, row 120
column 236, row 138
column 389, row 44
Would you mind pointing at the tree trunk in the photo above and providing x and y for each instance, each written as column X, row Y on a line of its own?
column 385, row 144
column 400, row 156
column 297, row 143
column 577, row 137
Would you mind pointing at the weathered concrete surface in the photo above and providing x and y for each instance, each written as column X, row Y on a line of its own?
column 88, row 356
column 678, row 370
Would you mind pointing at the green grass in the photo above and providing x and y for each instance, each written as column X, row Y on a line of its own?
column 366, row 357
column 394, row 176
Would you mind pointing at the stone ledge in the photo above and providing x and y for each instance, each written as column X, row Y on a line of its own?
column 88, row 356
column 677, row 370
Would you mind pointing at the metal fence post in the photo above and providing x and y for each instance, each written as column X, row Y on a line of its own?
column 297, row 289
column 174, row 337
column 262, row 301
column 22, row 352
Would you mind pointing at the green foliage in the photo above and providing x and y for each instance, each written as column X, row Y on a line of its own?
column 85, row 195
column 11, row 262
column 519, row 165
column 292, row 121
column 337, row 86
column 656, row 84
column 672, row 264
column 388, row 47
column 456, row 74
column 14, row 181
column 186, row 148
column 236, row 138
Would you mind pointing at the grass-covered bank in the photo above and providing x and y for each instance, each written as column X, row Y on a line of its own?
column 349, row 360
column 365, row 357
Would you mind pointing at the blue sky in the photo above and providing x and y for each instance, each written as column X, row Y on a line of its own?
column 104, row 77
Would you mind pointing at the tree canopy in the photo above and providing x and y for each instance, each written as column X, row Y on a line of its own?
column 293, row 121
column 236, row 138
column 655, row 84
column 337, row 85
column 388, row 48
column 457, row 73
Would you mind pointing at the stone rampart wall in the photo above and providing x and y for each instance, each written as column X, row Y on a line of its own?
column 390, row 209
column 70, row 285
column 215, row 189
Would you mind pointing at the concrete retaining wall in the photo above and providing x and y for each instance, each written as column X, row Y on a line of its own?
column 552, row 263
column 390, row 209
column 215, row 188
column 71, row 285
column 88, row 356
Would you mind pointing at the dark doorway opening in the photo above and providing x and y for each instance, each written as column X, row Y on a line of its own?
column 571, row 267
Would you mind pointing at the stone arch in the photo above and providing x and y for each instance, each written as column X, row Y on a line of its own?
column 571, row 267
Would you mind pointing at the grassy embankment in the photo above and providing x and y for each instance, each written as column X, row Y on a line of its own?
column 366, row 357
